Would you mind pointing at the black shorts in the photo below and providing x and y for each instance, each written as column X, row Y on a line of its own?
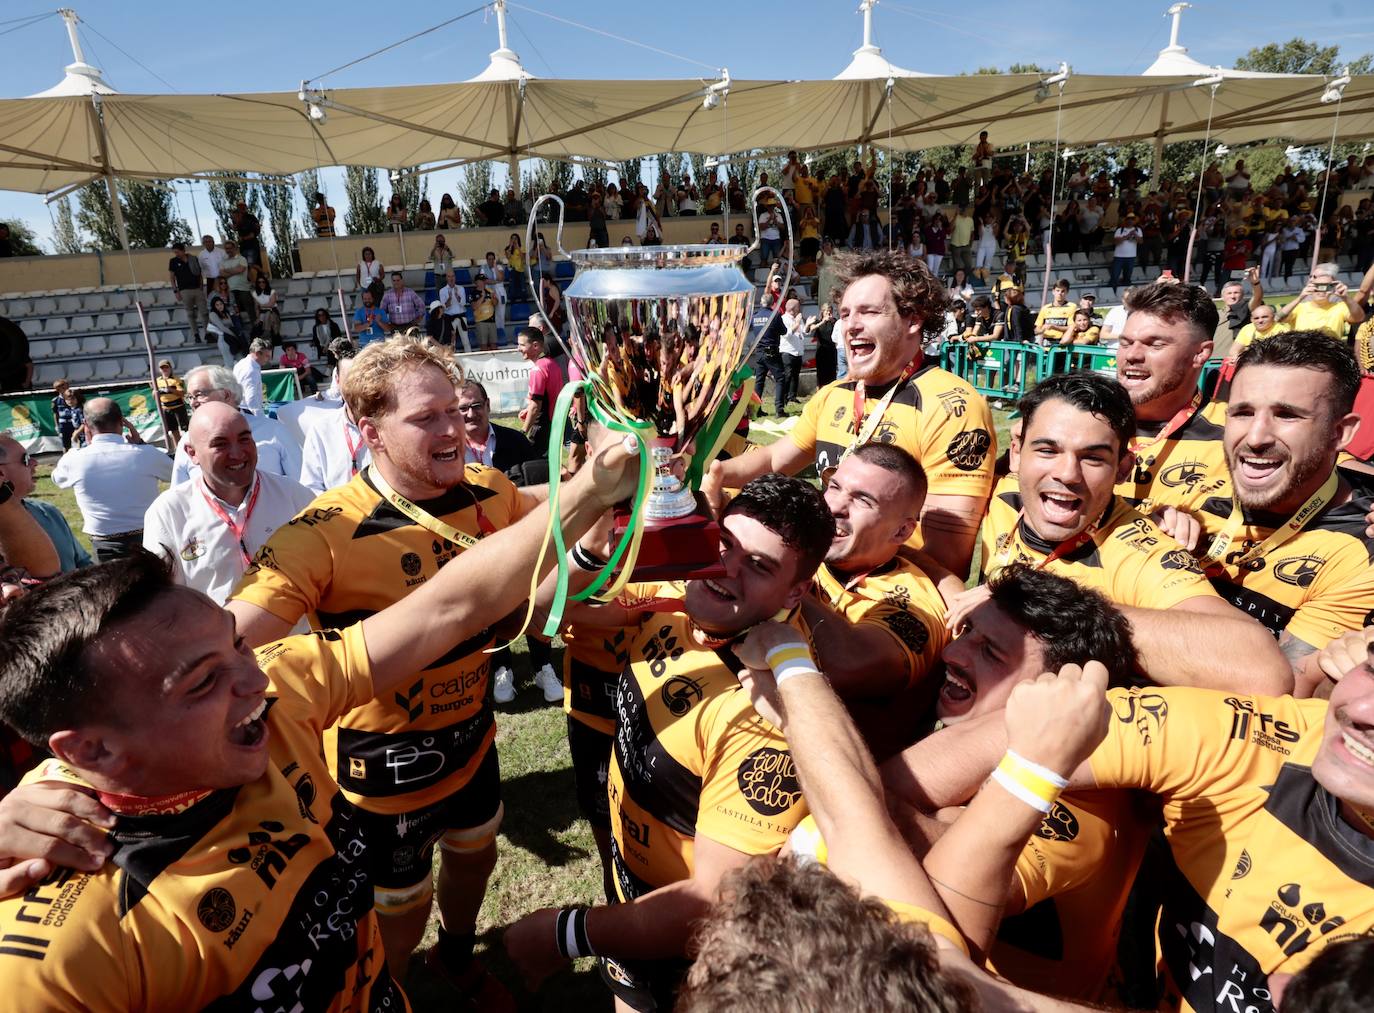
column 400, row 846
column 178, row 415
column 591, row 764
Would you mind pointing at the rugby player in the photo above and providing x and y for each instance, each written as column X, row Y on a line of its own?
column 890, row 304
column 1063, row 907
column 418, row 763
column 1289, row 546
column 1268, row 805
column 240, row 874
column 1058, row 512
column 699, row 782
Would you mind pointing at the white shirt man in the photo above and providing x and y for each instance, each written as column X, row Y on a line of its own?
column 1114, row 325
column 210, row 259
column 278, row 451
column 213, row 526
column 248, row 373
column 299, row 416
column 334, row 451
column 114, row 481
column 793, row 338
column 1127, row 237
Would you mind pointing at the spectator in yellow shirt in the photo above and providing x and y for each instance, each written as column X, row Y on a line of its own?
column 1055, row 319
column 1325, row 304
column 1263, row 324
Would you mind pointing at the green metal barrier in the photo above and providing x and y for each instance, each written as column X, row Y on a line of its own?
column 1007, row 369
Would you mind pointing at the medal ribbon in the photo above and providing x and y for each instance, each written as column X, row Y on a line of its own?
column 864, row 427
column 239, row 530
column 1216, row 549
column 1062, row 549
column 426, row 520
column 353, row 448
column 1172, row 426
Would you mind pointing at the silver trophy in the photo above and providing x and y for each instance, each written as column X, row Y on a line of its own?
column 660, row 332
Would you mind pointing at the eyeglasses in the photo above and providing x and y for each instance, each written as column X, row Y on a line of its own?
column 467, row 409
column 197, row 396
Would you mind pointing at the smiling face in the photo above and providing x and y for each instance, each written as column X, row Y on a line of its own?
column 1344, row 765
column 983, row 664
column 1281, row 436
column 420, row 437
column 16, row 467
column 220, row 441
column 186, row 711
column 760, row 579
column 879, row 342
column 1069, row 462
column 875, row 513
column 1156, row 359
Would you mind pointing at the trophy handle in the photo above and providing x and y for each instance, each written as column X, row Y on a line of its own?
column 791, row 261
column 532, row 257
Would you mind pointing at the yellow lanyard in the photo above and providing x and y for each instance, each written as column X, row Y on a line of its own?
column 1216, row 549
column 1065, row 547
column 426, row 520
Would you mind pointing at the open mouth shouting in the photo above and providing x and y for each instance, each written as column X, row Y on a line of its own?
column 957, row 693
column 1133, row 377
column 1061, row 509
column 447, row 456
column 1258, row 470
column 861, row 351
column 251, row 732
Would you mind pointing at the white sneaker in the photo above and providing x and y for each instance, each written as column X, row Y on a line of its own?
column 503, row 689
column 551, row 684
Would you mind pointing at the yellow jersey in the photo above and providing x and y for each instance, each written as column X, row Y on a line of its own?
column 349, row 555
column 804, row 190
column 1316, row 586
column 1057, row 319
column 254, row 897
column 691, row 757
column 899, row 599
column 937, row 418
column 1185, row 468
column 1127, row 559
column 1330, row 319
column 1266, row 872
column 1248, row 334
column 1364, row 346
column 1075, row 873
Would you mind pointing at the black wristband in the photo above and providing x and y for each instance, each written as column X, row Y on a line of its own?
column 570, row 933
column 584, row 560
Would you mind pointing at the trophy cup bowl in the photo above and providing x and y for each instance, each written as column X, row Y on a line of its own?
column 659, row 332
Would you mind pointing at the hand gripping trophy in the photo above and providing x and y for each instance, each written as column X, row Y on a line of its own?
column 662, row 335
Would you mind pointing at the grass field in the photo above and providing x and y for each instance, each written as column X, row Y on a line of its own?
column 547, row 855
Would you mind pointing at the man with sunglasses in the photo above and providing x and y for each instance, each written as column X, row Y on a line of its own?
column 17, row 467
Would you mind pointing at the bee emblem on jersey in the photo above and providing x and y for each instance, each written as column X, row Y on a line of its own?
column 768, row 781
column 1059, row 824
column 1243, row 865
column 1147, row 711
column 217, row 909
column 910, row 630
column 680, row 694
column 968, row 449
column 1188, row 473
column 1179, row 559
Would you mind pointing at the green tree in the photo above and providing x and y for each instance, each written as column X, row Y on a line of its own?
column 629, row 172
column 594, row 173
column 1298, row 56
column 474, row 184
column 22, row 240
column 96, row 217
column 65, row 238
column 279, row 199
column 365, row 213
column 149, row 215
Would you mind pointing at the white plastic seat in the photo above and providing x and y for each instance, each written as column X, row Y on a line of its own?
column 40, row 349
column 16, row 308
column 67, row 346
column 46, row 372
column 81, row 371
column 298, row 286
column 69, row 304
column 119, row 300
column 107, row 322
column 93, row 344
column 171, row 339
column 132, row 367
column 31, row 327
column 184, row 361
column 321, row 285
column 56, row 325
column 159, row 318
column 121, row 342
column 81, row 324
column 93, row 302
column 44, row 306
column 107, row 369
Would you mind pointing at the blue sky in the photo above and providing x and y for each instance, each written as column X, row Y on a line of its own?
column 197, row 49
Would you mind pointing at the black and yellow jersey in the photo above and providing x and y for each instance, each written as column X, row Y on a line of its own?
column 1057, row 319
column 254, row 897
column 1185, row 468
column 1316, row 586
column 937, row 418
column 351, row 554
column 1266, row 871
column 1127, row 559
column 692, row 757
column 1075, row 873
column 899, row 599
column 593, row 659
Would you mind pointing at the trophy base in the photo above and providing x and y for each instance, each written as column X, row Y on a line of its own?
column 676, row 548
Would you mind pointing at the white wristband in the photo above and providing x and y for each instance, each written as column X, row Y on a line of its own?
column 1038, row 770
column 789, row 660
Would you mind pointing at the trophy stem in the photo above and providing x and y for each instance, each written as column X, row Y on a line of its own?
column 669, row 497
